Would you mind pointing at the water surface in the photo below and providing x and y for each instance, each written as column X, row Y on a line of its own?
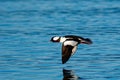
column 26, row 27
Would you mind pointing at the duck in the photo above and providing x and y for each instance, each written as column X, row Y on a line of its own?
column 69, row 44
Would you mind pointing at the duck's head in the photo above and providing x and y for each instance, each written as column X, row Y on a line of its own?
column 55, row 39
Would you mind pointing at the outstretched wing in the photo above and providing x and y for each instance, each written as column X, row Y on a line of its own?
column 66, row 53
column 68, row 49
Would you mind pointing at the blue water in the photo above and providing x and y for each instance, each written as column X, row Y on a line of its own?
column 26, row 27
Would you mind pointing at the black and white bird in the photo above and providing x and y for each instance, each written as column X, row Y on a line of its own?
column 69, row 44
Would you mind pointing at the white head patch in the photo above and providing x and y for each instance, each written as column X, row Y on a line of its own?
column 56, row 38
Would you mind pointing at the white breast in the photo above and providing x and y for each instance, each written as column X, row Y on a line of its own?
column 71, row 43
column 62, row 39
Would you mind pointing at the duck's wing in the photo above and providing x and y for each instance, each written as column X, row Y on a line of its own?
column 68, row 49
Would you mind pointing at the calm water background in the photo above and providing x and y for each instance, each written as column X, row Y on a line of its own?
column 26, row 27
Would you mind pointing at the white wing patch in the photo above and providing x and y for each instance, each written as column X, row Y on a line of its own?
column 71, row 43
column 74, row 49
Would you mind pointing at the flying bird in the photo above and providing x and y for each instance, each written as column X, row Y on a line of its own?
column 69, row 44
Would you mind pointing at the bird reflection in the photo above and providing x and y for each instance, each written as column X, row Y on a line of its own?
column 70, row 75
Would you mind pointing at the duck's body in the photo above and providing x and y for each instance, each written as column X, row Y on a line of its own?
column 69, row 45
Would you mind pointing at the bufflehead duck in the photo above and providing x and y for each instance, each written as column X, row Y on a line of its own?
column 69, row 44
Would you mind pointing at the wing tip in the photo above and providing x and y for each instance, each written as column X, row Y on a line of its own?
column 64, row 61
